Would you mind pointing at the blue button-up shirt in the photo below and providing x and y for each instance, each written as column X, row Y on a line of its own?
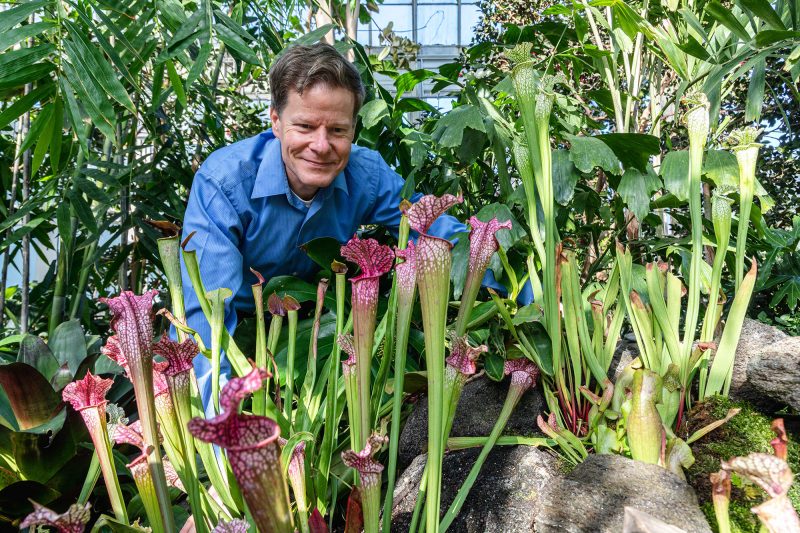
column 244, row 215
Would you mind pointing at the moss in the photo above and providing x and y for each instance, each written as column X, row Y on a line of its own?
column 742, row 519
column 749, row 431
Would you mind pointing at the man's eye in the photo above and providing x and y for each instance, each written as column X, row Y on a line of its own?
column 305, row 126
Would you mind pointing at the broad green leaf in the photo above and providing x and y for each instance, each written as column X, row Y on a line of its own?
column 459, row 257
column 589, row 152
column 69, row 344
column 323, row 251
column 34, row 352
column 63, row 223
column 726, row 18
column 236, row 45
column 373, row 111
column 94, row 100
column 199, row 64
column 632, row 149
column 75, row 114
column 766, row 38
column 411, row 104
column 234, row 26
column 29, row 74
column 83, row 210
column 788, row 291
column 407, row 81
column 175, row 81
column 44, row 136
column 302, row 291
column 493, row 364
column 20, row 232
column 80, row 50
column 764, row 11
column 315, row 35
column 675, row 173
column 10, row 38
column 25, row 102
column 755, row 91
column 449, row 131
column 19, row 13
column 32, row 399
column 11, row 63
column 565, row 177
column 636, row 188
column 38, row 125
column 720, row 166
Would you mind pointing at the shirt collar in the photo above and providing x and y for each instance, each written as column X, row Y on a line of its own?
column 271, row 179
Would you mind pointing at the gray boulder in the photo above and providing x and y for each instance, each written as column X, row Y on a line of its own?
column 766, row 371
column 503, row 498
column 478, row 409
column 592, row 498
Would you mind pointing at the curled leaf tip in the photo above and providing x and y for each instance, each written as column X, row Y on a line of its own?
column 364, row 461
column 520, row 53
column 237, row 389
column 767, row 471
column 275, row 305
column 290, row 303
column 374, row 259
column 74, row 520
column 258, row 276
column 463, row 356
column 744, row 138
column 483, row 241
column 187, row 239
column 237, row 525
column 346, row 344
column 178, row 355
column 338, row 267
column 523, row 372
column 88, row 392
column 424, row 213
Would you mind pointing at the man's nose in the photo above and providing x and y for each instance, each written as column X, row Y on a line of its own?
column 320, row 141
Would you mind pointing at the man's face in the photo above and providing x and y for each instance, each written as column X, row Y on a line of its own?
column 316, row 131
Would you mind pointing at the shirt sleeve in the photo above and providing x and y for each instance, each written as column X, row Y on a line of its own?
column 217, row 231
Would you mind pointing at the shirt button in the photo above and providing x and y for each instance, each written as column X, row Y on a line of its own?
column 295, row 274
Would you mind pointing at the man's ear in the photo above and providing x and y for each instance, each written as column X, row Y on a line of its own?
column 275, row 118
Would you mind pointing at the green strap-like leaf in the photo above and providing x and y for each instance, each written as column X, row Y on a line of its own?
column 725, row 17
column 764, row 11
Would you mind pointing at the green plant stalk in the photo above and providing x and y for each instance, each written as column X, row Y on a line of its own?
column 697, row 122
column 655, row 291
column 350, row 375
column 141, row 372
column 237, row 359
column 746, row 157
column 83, row 279
column 92, row 475
column 405, row 294
column 217, row 298
column 721, row 497
column 290, row 354
column 464, row 443
column 217, row 474
column 515, row 392
column 719, row 377
column 573, row 305
column 306, row 409
column 383, row 345
column 330, row 434
column 260, row 396
column 102, row 447
column 433, row 280
column 644, row 425
column 169, row 250
column 721, row 218
column 364, row 315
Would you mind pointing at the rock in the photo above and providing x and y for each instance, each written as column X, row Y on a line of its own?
column 599, row 489
column 774, row 372
column 478, row 409
column 766, row 371
column 503, row 498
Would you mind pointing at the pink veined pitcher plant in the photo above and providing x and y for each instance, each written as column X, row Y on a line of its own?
column 132, row 348
column 88, row 397
column 374, row 260
column 369, row 475
column 433, row 263
column 73, row 520
column 252, row 448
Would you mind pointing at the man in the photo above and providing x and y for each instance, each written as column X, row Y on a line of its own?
column 254, row 202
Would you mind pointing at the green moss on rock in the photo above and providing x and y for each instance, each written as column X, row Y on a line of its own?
column 747, row 432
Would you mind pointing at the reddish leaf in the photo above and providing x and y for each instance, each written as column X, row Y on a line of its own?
column 354, row 519
column 316, row 523
column 32, row 398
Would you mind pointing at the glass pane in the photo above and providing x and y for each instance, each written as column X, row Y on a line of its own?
column 436, row 24
column 363, row 35
column 470, row 15
column 442, row 103
column 437, row 2
column 399, row 14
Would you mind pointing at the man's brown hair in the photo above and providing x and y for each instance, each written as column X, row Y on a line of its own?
column 303, row 67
